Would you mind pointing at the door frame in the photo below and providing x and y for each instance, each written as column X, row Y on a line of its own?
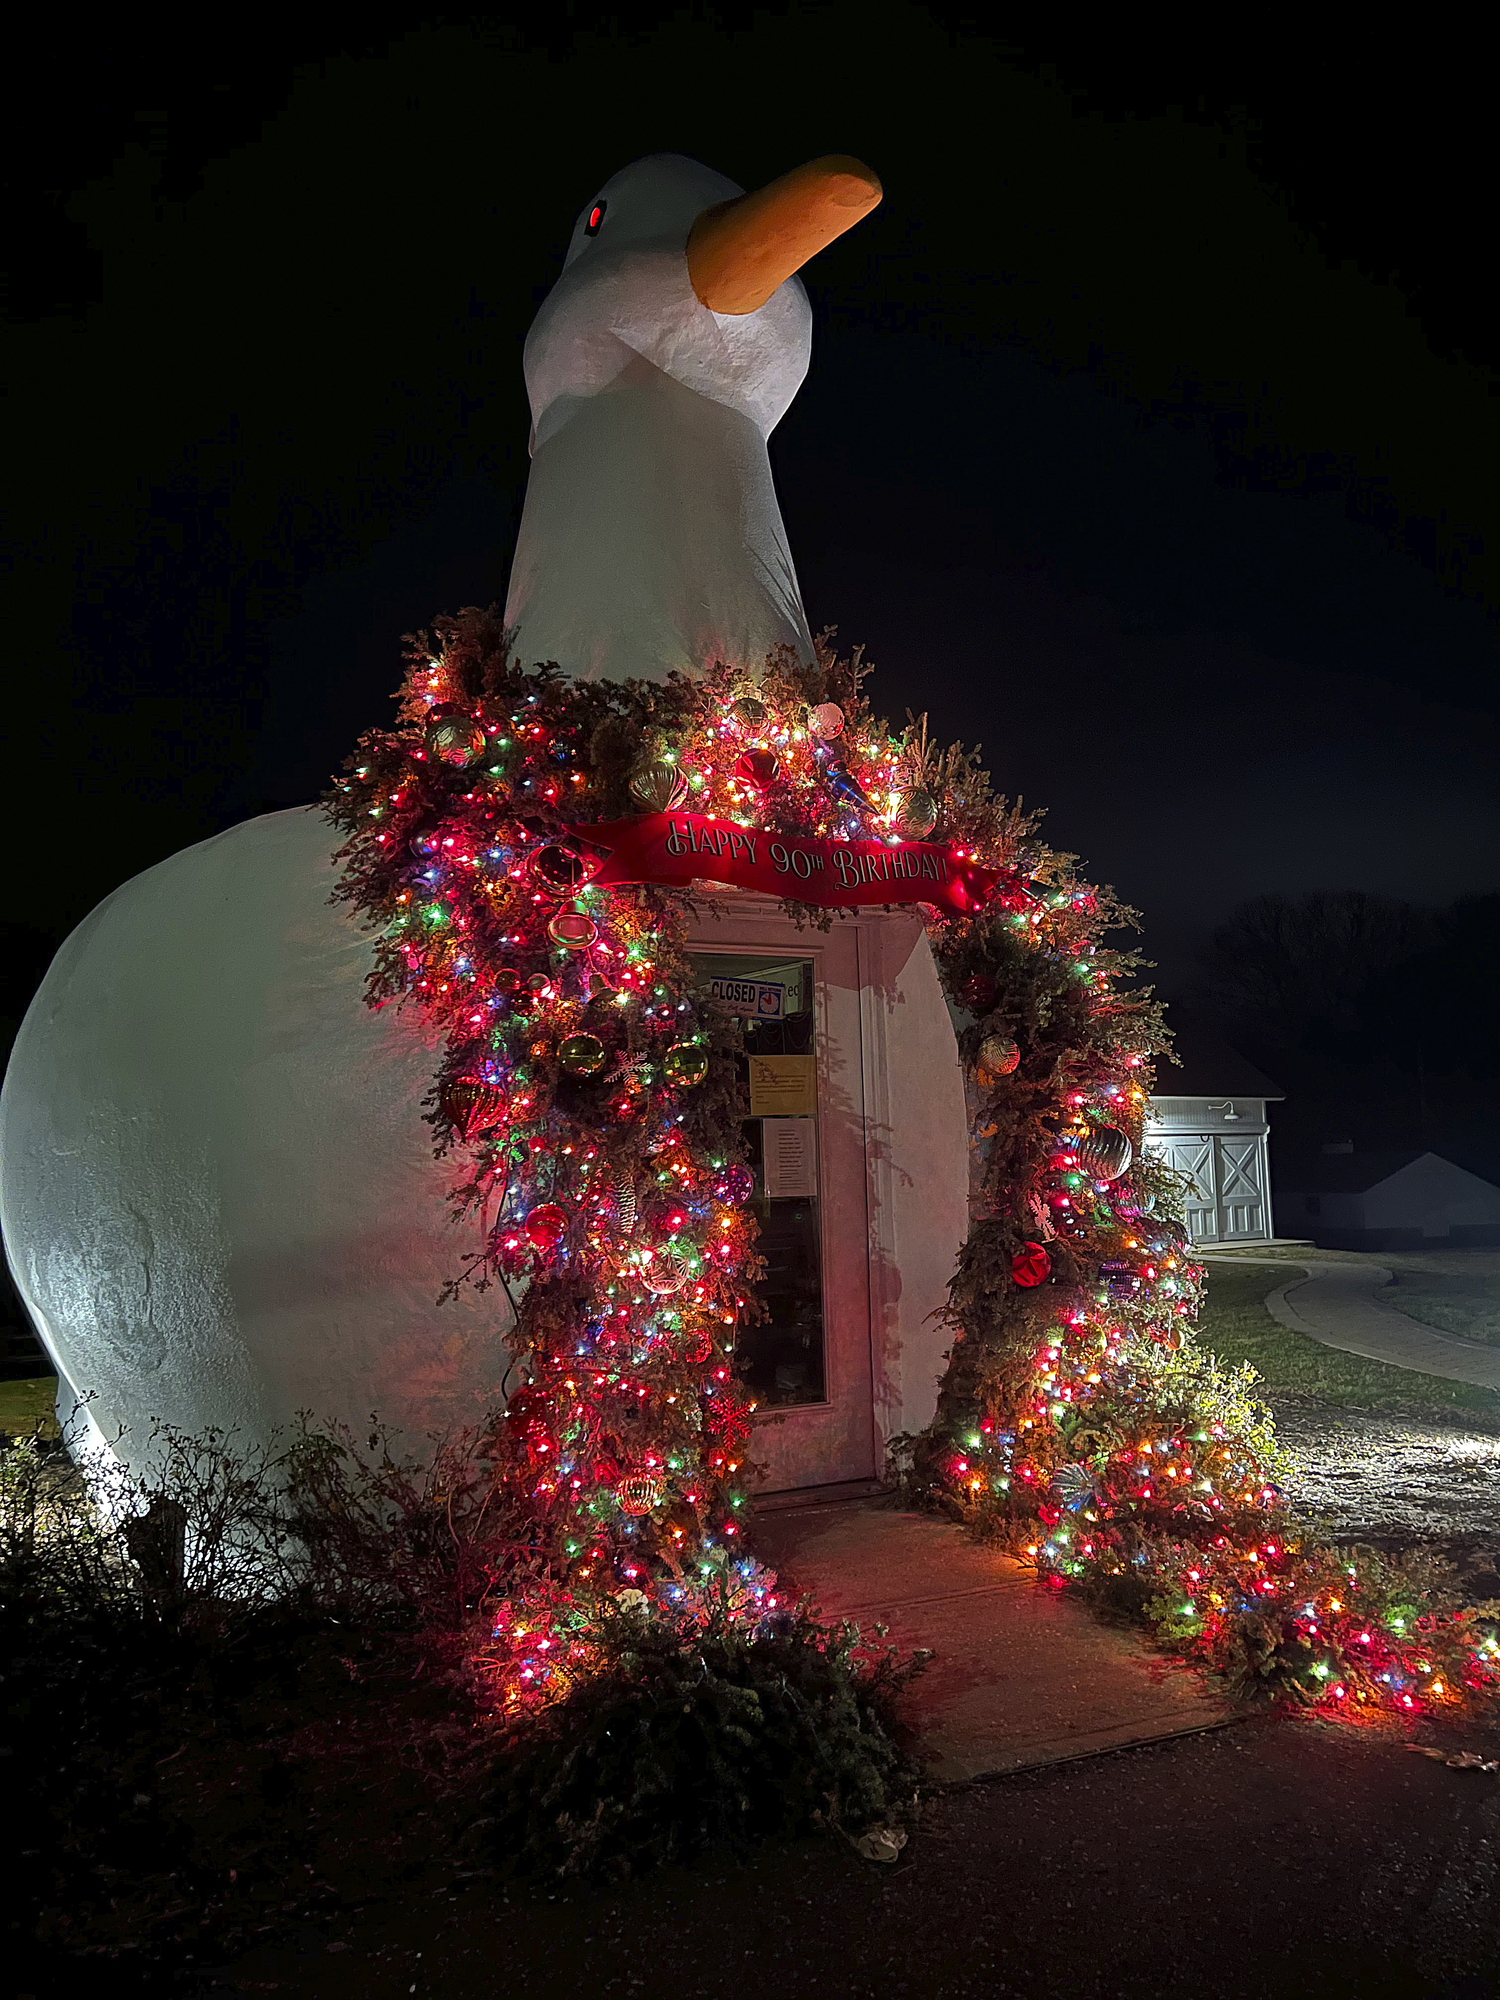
column 752, row 926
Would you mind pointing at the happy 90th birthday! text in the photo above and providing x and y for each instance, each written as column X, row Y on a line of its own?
column 881, row 864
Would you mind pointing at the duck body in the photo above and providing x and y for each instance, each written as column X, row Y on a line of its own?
column 216, row 1186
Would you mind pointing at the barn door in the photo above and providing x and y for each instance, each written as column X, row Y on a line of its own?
column 1193, row 1155
column 1241, row 1189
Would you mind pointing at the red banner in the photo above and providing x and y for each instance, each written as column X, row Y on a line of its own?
column 682, row 847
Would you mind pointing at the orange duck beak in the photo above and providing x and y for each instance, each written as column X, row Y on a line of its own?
column 740, row 251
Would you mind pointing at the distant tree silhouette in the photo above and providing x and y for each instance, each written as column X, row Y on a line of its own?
column 1284, row 969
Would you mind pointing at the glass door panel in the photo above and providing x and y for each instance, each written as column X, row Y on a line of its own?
column 808, row 1365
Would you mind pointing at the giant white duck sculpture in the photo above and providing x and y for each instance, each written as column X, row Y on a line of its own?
column 217, row 1192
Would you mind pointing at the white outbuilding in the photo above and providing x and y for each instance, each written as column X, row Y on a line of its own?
column 1208, row 1119
column 1345, row 1199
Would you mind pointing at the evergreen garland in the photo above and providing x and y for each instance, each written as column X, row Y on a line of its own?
column 588, row 1096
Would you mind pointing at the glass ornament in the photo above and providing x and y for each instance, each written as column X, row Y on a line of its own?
column 749, row 712
column 573, row 930
column 916, row 815
column 427, row 844
column 1105, row 1154
column 758, row 768
column 528, row 1415
column 826, row 720
column 507, row 979
column 558, row 867
column 538, row 984
column 454, row 739
column 734, row 1184
column 844, row 785
column 472, row 1104
column 545, row 1225
column 685, row 1063
column 665, row 1274
column 1031, row 1265
column 581, row 1055
column 658, row 785
column 1121, row 1280
column 1074, row 1484
column 998, row 1057
column 639, row 1493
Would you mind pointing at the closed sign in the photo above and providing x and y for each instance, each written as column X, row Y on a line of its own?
column 757, row 999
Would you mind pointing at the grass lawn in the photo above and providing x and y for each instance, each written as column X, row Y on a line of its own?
column 1237, row 1327
column 1454, row 1291
column 23, row 1404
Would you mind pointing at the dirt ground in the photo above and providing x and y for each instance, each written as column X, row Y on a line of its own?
column 1399, row 1482
column 1271, row 1858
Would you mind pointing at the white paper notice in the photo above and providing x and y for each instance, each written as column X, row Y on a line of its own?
column 791, row 1156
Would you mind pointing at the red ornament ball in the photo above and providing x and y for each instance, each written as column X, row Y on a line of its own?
column 1031, row 1265
column 546, row 1225
column 472, row 1104
column 697, row 1345
column 557, row 867
column 529, row 1416
column 978, row 992
column 758, row 768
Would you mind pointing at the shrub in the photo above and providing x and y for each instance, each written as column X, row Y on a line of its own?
column 721, row 1739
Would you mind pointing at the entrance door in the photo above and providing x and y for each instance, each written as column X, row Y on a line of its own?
column 809, row 1364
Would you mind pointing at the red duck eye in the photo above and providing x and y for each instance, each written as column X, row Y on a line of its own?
column 596, row 216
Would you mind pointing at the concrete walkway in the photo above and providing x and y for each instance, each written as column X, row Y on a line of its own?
column 1021, row 1675
column 1340, row 1305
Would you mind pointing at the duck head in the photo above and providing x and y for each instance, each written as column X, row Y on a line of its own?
column 676, row 265
column 671, row 345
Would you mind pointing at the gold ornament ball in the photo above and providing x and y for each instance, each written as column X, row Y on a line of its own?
column 454, row 739
column 685, row 1063
column 750, row 712
column 916, row 815
column 658, row 786
column 581, row 1055
column 998, row 1056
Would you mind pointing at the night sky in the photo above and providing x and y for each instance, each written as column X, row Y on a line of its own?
column 1149, row 438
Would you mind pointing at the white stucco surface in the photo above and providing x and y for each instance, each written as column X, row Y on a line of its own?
column 651, row 539
column 917, row 1144
column 217, row 1191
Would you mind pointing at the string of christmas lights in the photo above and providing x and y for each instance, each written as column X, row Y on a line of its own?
column 591, row 1097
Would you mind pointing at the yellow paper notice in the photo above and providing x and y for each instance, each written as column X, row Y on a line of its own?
column 783, row 1087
